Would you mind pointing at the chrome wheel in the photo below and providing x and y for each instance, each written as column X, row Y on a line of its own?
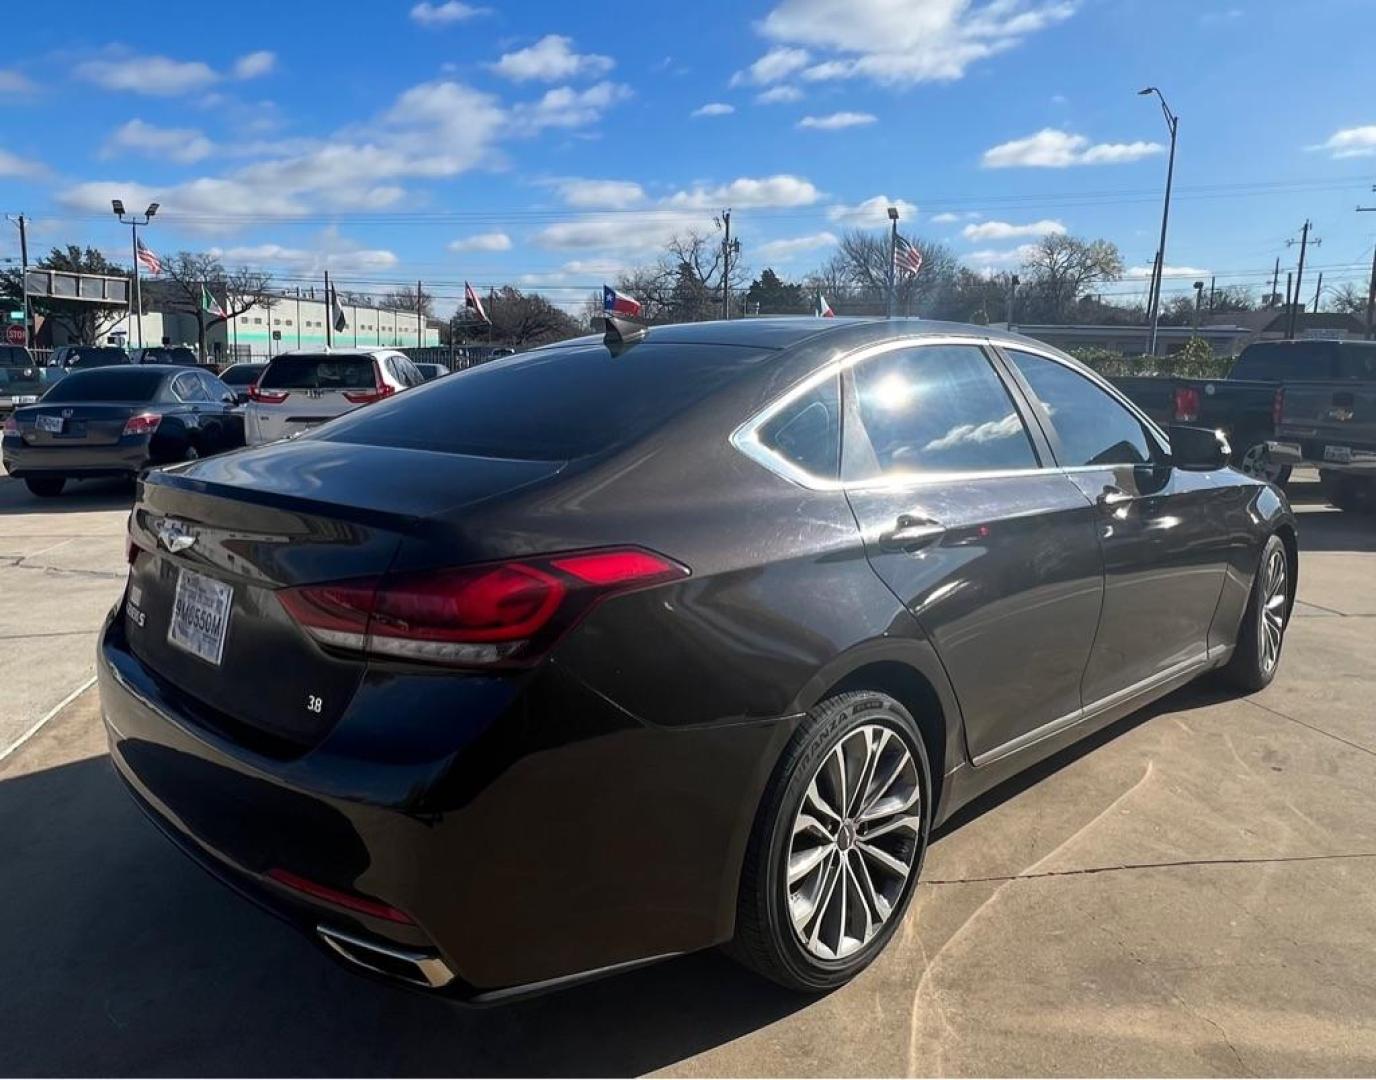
column 1275, row 596
column 855, row 839
column 1256, row 462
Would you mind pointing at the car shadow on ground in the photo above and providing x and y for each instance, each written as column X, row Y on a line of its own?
column 78, row 496
column 120, row 956
column 1337, row 530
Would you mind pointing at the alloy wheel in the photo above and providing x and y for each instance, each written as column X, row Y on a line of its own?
column 855, row 839
column 1256, row 462
column 1275, row 596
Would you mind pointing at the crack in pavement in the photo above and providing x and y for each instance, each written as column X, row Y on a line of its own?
column 1311, row 727
column 17, row 563
column 1087, row 870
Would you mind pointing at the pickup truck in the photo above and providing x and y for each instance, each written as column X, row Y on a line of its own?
column 22, row 380
column 1245, row 405
column 1332, row 425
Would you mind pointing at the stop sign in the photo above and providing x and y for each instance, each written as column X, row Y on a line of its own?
column 14, row 334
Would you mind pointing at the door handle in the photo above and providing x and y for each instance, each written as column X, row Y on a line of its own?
column 910, row 534
column 1112, row 496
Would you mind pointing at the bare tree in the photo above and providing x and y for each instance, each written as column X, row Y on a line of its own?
column 84, row 321
column 194, row 282
column 1060, row 270
column 686, row 283
column 409, row 299
column 517, row 319
column 858, row 275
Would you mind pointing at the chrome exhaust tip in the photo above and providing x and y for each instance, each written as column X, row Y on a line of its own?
column 406, row 965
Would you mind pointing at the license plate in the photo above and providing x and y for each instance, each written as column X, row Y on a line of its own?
column 49, row 423
column 200, row 615
column 1341, row 454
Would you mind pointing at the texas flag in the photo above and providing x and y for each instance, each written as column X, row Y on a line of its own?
column 615, row 303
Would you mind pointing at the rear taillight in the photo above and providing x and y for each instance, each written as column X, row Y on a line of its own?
column 1186, row 404
column 11, row 425
column 497, row 613
column 266, row 397
column 1277, row 405
column 142, row 424
column 352, row 901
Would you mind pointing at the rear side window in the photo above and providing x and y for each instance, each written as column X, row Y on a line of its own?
column 807, row 431
column 240, row 374
column 552, row 404
column 14, row 356
column 1094, row 429
column 938, row 408
column 324, row 372
column 125, row 384
column 1357, row 361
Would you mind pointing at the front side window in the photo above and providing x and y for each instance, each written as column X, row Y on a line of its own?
column 935, row 408
column 1094, row 429
column 807, row 431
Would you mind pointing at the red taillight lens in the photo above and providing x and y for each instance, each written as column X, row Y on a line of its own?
column 352, row 901
column 266, row 397
column 11, row 425
column 1186, row 404
column 142, row 424
column 377, row 393
column 1277, row 405
column 500, row 613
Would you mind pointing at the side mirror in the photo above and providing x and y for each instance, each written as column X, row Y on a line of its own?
column 1198, row 449
column 229, row 398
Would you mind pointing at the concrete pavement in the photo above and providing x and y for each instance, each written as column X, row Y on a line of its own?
column 1186, row 893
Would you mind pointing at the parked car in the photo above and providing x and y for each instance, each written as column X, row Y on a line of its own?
column 21, row 378
column 611, row 651
column 1245, row 405
column 431, row 371
column 165, row 354
column 300, row 390
column 119, row 421
column 240, row 378
column 1332, row 425
column 79, row 357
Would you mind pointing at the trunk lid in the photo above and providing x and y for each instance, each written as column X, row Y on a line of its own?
column 1341, row 414
column 75, row 423
column 244, row 525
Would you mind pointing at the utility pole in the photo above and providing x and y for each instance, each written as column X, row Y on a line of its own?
column 420, row 334
column 1198, row 303
column 1275, row 283
column 23, row 269
column 298, row 316
column 1318, row 291
column 893, row 259
column 1289, row 285
column 1012, row 298
column 729, row 247
column 329, row 312
column 1304, row 243
column 1371, row 289
column 1154, row 312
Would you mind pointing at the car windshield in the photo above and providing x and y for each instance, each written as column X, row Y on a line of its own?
column 551, row 405
column 96, row 357
column 241, row 374
column 109, row 384
column 322, row 372
column 167, row 356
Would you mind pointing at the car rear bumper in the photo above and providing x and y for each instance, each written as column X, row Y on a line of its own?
column 553, row 840
column 1318, row 453
column 125, row 458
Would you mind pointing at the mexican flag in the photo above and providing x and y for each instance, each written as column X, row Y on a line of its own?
column 211, row 305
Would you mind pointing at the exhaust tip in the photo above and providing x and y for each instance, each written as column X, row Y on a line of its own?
column 406, row 965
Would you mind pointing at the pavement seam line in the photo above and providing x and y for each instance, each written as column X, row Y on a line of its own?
column 1086, row 870
column 34, row 730
column 1311, row 727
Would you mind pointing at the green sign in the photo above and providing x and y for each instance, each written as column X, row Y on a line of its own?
column 16, row 316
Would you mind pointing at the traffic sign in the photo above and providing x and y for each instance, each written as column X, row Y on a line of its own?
column 14, row 334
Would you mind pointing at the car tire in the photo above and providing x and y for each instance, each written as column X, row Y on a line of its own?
column 45, row 487
column 1261, row 637
column 792, row 924
column 1254, row 461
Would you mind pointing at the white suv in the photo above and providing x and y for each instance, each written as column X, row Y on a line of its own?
column 302, row 389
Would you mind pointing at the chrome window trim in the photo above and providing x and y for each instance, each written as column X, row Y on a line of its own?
column 746, row 437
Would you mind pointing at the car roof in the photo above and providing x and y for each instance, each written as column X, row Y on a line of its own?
column 128, row 370
column 370, row 353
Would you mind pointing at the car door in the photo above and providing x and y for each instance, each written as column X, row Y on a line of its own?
column 220, row 405
column 966, row 519
column 1165, row 533
column 192, row 405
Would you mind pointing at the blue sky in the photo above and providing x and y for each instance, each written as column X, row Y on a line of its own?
column 533, row 143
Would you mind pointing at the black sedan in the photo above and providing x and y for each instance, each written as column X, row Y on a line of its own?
column 119, row 421
column 619, row 649
column 240, row 377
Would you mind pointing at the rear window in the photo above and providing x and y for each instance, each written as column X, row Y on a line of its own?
column 15, row 356
column 1285, row 360
column 1357, row 360
column 550, row 405
column 167, row 356
column 322, row 372
column 89, row 358
column 241, row 374
column 107, row 384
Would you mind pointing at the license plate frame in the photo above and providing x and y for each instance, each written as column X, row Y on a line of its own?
column 51, row 424
column 199, row 623
column 1339, row 455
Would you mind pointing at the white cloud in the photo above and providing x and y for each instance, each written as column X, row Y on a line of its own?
column 549, row 60
column 182, row 145
column 451, row 11
column 837, row 120
column 601, row 194
column 1051, row 148
column 153, row 75
column 1003, row 230
column 12, row 165
column 774, row 65
column 1143, row 273
column 492, row 241
column 873, row 211
column 897, row 43
column 1351, row 142
column 992, row 259
column 598, row 234
column 781, row 190
column 566, row 107
column 779, row 95
column 254, row 64
column 14, row 82
column 944, row 218
column 795, row 245
column 714, row 108
column 334, row 254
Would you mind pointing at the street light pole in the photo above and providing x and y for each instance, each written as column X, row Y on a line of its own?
column 1172, row 123
column 22, row 225
column 133, row 222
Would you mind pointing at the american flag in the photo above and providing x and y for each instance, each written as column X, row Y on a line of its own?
column 149, row 259
column 473, row 304
column 907, row 260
